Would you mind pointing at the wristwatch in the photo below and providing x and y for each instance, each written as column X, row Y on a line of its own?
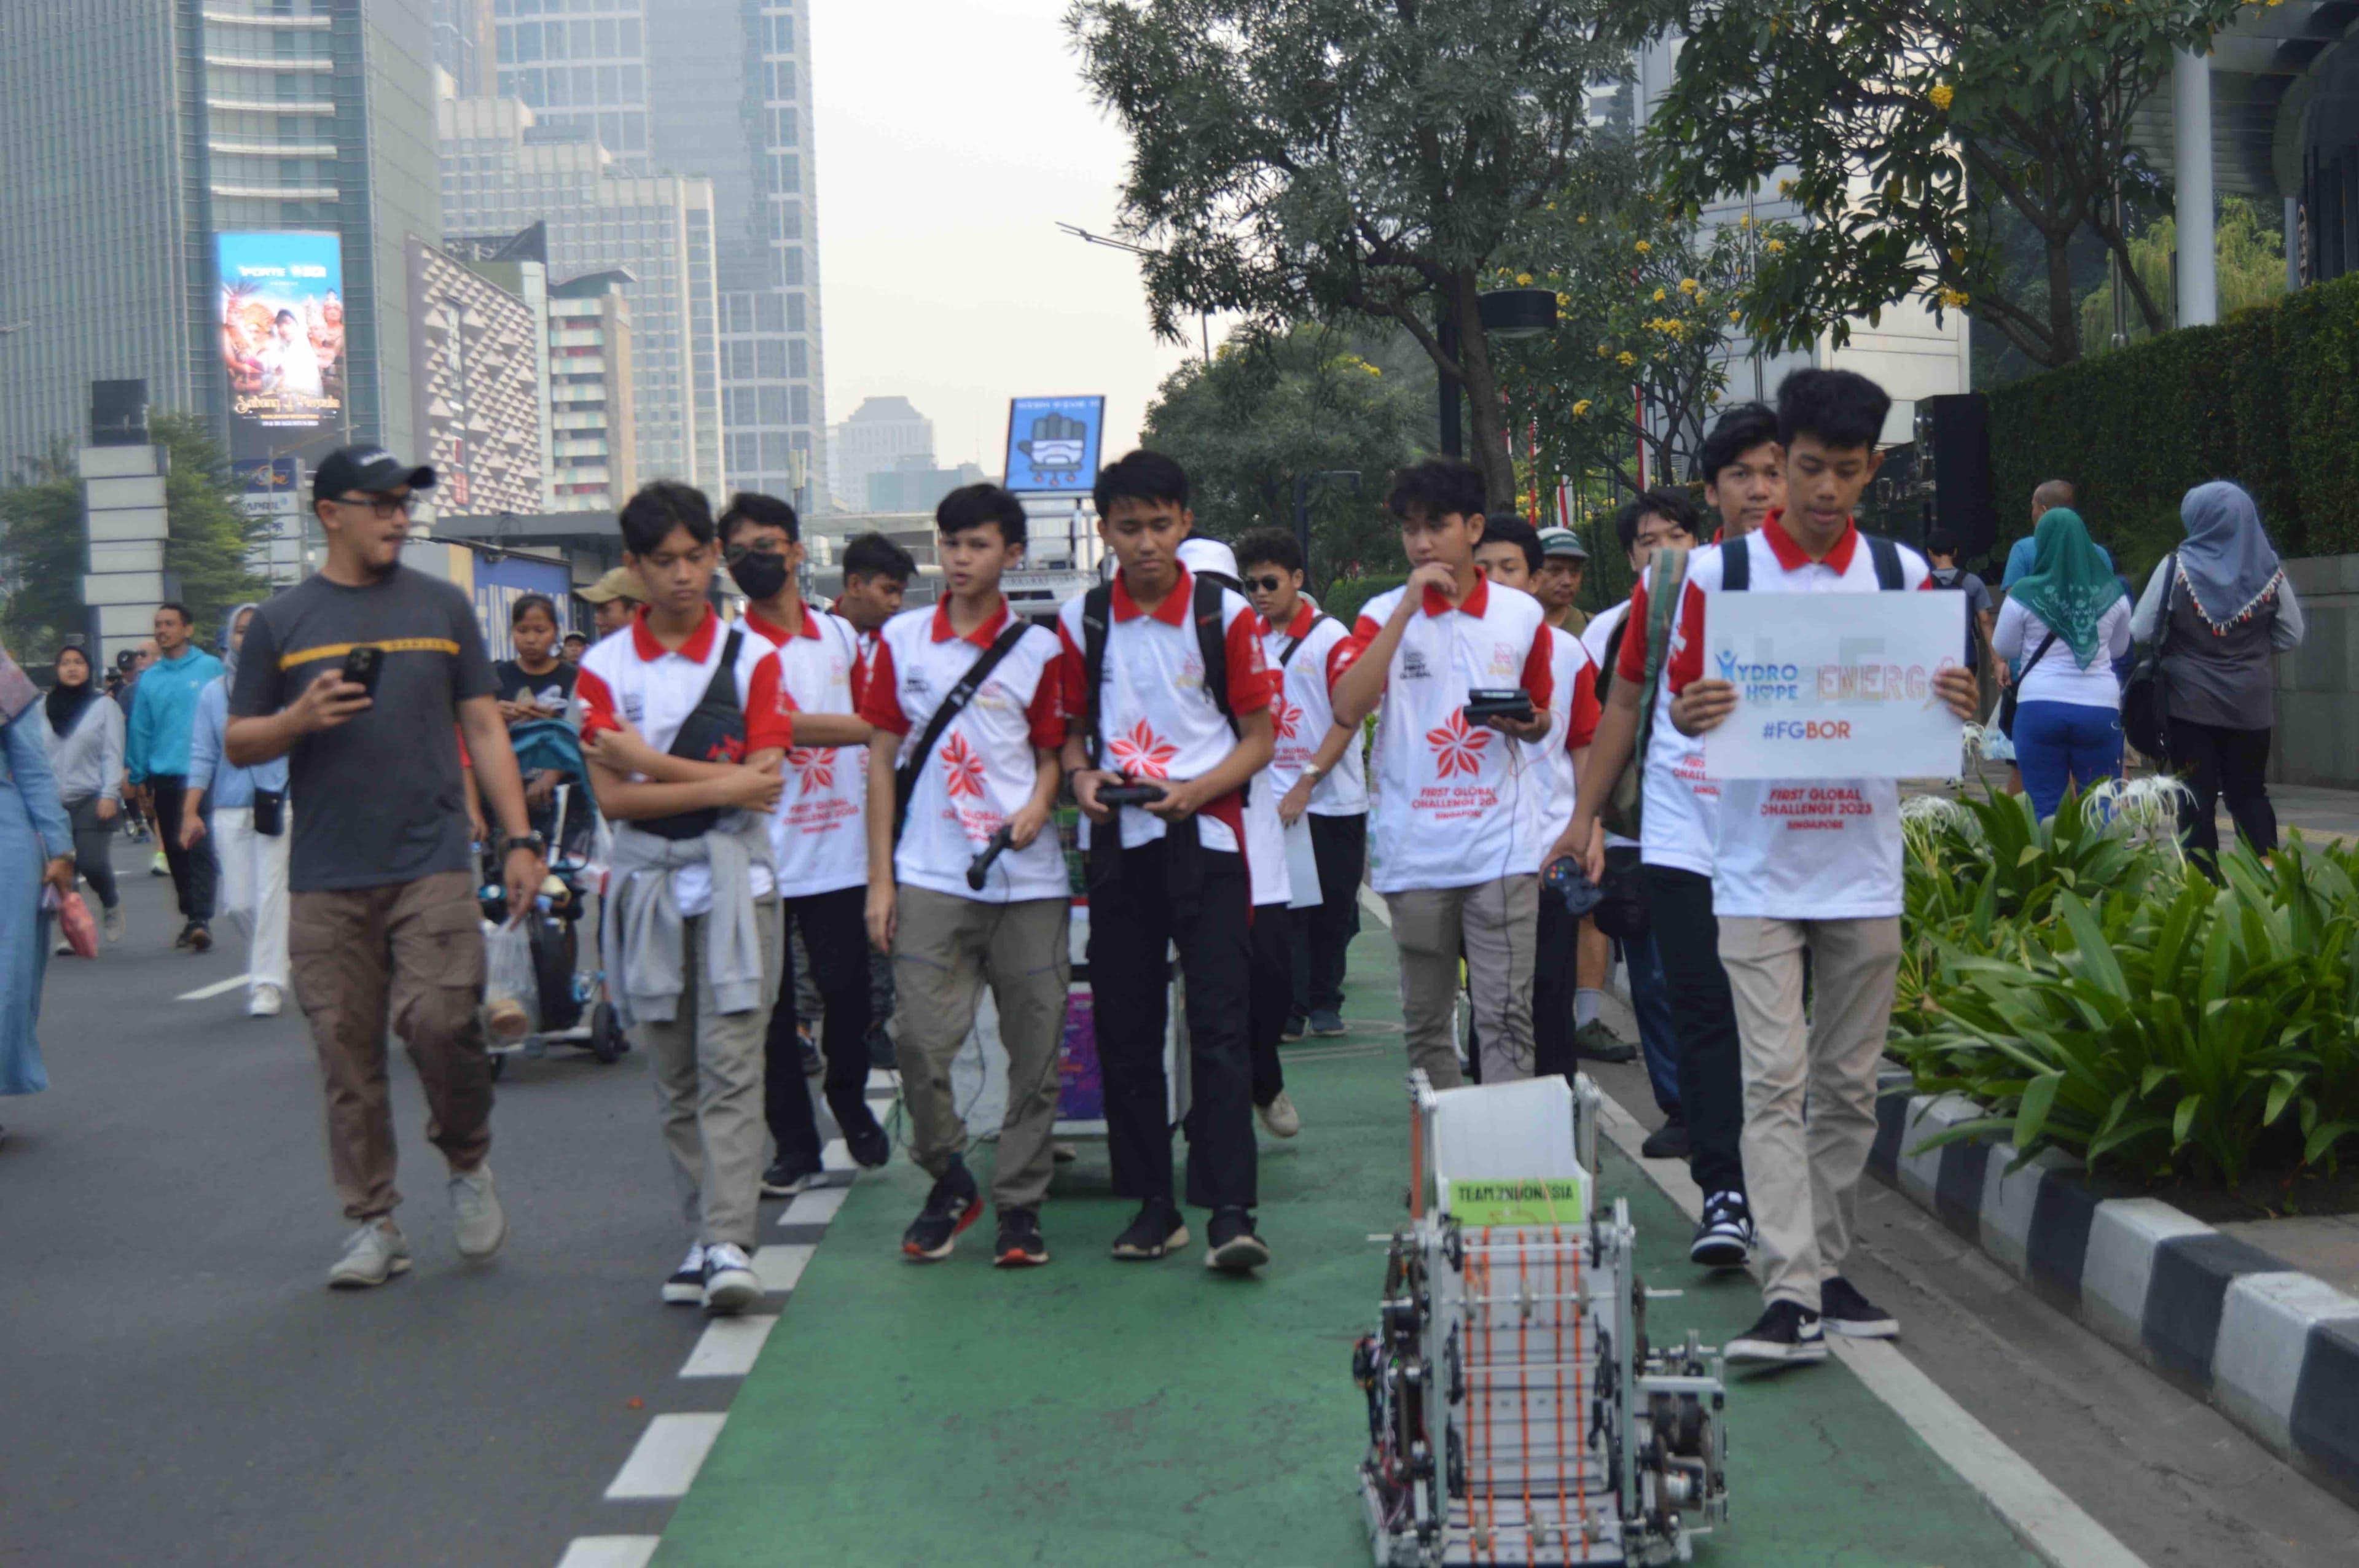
column 1313, row 772
column 532, row 841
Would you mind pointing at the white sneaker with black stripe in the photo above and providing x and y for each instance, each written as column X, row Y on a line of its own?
column 730, row 1283
column 686, row 1285
column 1723, row 1236
column 1787, row 1332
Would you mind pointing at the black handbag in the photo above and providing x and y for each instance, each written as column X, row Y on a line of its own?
column 270, row 812
column 2146, row 696
column 2006, row 703
column 1624, row 914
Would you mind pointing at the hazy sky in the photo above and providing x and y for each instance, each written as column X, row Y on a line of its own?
column 953, row 137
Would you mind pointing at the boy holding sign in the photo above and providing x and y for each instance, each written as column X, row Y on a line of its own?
column 1804, row 865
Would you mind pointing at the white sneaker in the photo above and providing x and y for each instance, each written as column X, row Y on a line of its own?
column 111, row 924
column 1279, row 1118
column 265, row 1002
column 373, row 1254
column 730, row 1283
column 482, row 1226
column 62, row 950
column 686, row 1285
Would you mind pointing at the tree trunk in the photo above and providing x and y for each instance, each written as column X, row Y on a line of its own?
column 2063, row 318
column 1486, row 414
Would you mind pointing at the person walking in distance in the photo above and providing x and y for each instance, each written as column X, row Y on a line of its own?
column 2066, row 622
column 246, row 808
column 85, row 737
column 614, row 599
column 875, row 572
column 966, row 702
column 384, row 933
column 156, row 754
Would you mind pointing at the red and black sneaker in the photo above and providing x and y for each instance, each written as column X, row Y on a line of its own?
column 954, row 1204
column 1020, row 1245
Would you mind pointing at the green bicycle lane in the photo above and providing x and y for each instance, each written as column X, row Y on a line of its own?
column 1157, row 1414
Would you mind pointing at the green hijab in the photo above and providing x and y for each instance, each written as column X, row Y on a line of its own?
column 2070, row 587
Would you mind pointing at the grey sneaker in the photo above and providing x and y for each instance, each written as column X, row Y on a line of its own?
column 730, row 1283
column 111, row 924
column 373, row 1254
column 476, row 1207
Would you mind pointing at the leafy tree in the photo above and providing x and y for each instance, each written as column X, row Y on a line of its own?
column 2251, row 270
column 210, row 550
column 1906, row 124
column 1353, row 159
column 41, row 542
column 1273, row 405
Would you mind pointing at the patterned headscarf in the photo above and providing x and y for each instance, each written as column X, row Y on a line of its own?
column 2070, row 587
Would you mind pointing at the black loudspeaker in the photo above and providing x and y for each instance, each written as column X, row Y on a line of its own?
column 118, row 413
column 1953, row 457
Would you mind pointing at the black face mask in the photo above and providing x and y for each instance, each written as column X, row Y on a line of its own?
column 760, row 573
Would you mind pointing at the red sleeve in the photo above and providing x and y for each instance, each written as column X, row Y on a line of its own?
column 1685, row 666
column 769, row 712
column 1249, row 675
column 1585, row 711
column 466, row 759
column 1539, row 668
column 880, row 692
column 1073, row 677
column 1347, row 651
column 1630, row 663
column 1048, row 712
column 860, row 675
column 597, row 702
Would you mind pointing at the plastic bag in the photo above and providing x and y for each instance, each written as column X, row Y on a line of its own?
column 511, row 996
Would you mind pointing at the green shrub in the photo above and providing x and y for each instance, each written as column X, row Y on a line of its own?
column 1343, row 600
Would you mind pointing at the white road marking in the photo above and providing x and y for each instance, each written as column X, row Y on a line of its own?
column 667, row 1458
column 782, row 1266
column 214, row 989
column 2048, row 1522
column 884, row 1079
column 728, row 1347
column 815, row 1205
column 837, row 1156
column 610, row 1551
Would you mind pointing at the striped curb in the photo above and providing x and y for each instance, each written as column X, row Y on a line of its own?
column 2275, row 1350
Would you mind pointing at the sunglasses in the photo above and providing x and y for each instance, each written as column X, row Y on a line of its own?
column 1266, row 584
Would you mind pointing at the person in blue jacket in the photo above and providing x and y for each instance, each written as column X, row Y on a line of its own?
column 37, row 852
column 155, row 756
column 242, row 812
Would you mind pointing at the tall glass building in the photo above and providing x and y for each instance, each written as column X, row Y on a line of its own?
column 132, row 131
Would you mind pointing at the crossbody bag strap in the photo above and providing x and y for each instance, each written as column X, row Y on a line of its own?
column 1212, row 645
column 905, row 777
column 1097, row 609
column 2037, row 655
column 1667, row 584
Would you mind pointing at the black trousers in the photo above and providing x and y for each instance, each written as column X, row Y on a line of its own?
column 2216, row 761
column 835, row 933
column 196, row 875
column 1133, row 921
column 1323, row 935
column 1711, row 1073
column 1269, row 994
column 1555, row 966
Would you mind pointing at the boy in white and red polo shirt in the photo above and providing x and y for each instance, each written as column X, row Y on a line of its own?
column 684, row 720
column 1802, row 866
column 1156, row 712
column 1450, row 849
column 821, row 847
column 989, row 768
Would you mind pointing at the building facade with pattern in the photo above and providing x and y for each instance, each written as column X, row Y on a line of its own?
column 479, row 359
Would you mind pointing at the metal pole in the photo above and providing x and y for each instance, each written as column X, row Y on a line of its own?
column 1453, row 441
column 1302, row 515
column 2191, row 96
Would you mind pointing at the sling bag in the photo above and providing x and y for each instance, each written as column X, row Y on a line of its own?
column 2006, row 703
column 905, row 777
column 1667, row 577
column 714, row 731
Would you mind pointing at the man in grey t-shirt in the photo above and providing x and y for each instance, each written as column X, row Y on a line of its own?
column 384, row 929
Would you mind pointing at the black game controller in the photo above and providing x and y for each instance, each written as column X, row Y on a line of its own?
column 1129, row 793
column 1508, row 702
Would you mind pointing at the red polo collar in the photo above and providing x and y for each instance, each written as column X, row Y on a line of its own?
column 778, row 633
column 981, row 636
column 1172, row 612
column 1792, row 558
column 699, row 643
column 1477, row 599
column 1298, row 628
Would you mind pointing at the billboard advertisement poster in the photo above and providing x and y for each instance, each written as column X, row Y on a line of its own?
column 501, row 580
column 282, row 338
column 1053, row 444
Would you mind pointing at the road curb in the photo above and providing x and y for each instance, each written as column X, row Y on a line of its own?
column 2275, row 1350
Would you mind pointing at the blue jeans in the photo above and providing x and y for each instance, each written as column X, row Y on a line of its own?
column 2056, row 740
column 1658, row 1034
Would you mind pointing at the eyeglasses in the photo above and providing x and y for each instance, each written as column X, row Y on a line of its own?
column 384, row 508
column 1266, row 584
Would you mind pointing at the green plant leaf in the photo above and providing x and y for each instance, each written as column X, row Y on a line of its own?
column 2031, row 1115
column 2183, row 1119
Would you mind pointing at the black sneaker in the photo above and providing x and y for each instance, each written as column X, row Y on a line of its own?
column 1020, row 1245
column 686, row 1285
column 950, row 1207
column 868, row 1145
column 1724, row 1237
column 1845, row 1310
column 200, row 940
column 785, row 1178
column 1786, row 1332
column 187, row 932
column 1669, row 1141
column 1231, row 1244
column 1157, row 1230
column 1296, row 1024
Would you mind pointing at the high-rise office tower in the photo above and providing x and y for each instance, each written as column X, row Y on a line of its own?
column 720, row 89
column 213, row 198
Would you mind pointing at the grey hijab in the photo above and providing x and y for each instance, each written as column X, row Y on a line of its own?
column 228, row 650
column 2227, row 562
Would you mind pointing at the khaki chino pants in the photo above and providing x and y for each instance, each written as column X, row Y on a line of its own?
column 1802, row 1175
column 706, row 1065
column 1496, row 926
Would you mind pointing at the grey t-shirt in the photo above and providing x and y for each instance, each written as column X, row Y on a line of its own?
column 378, row 800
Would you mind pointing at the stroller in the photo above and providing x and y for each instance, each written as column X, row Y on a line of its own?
column 560, row 1003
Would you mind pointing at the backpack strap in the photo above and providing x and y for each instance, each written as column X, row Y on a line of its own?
column 1097, row 611
column 1212, row 642
column 905, row 777
column 1735, row 566
column 1886, row 557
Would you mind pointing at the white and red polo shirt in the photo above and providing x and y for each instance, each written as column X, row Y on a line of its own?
column 1159, row 722
column 816, row 832
column 1574, row 674
column 1302, row 711
column 981, row 771
column 1452, row 797
column 1786, row 848
column 1680, row 824
column 632, row 677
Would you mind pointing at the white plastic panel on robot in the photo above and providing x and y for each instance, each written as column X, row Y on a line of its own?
column 1520, row 1132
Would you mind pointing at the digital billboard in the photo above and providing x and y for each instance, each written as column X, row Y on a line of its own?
column 282, row 338
column 1053, row 444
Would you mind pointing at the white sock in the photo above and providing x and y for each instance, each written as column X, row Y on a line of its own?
column 1585, row 1006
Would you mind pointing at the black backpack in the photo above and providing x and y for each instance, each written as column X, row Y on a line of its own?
column 1211, row 643
column 1736, row 564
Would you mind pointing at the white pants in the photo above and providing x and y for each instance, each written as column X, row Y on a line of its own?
column 254, row 888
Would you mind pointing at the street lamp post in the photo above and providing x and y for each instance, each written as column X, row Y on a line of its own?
column 1203, row 317
column 1302, row 483
column 1503, row 313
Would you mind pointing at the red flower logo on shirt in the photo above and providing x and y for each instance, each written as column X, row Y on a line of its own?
column 1142, row 754
column 817, row 768
column 1287, row 717
column 963, row 768
column 1456, row 747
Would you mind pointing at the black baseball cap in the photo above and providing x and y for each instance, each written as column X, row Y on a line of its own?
column 371, row 470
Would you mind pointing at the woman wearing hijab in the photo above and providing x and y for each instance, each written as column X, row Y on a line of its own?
column 85, row 739
column 2067, row 621
column 249, row 816
column 36, row 850
column 2230, row 609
